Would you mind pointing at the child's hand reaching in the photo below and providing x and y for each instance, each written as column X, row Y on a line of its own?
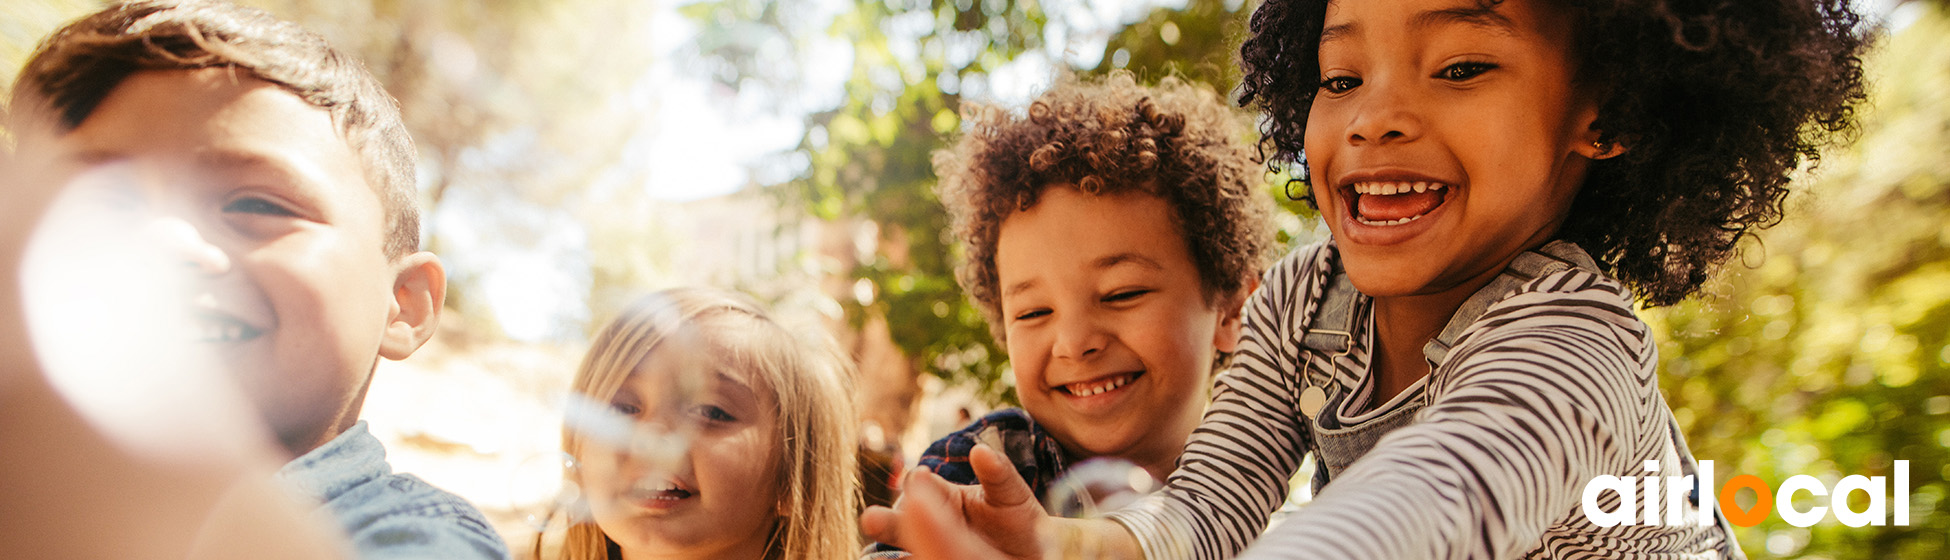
column 998, row 520
column 936, row 519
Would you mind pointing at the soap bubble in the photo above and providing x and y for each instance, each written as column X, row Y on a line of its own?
column 1088, row 491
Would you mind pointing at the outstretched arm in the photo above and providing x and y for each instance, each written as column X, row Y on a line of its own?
column 1556, row 389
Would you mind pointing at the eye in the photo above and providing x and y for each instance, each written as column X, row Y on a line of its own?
column 1032, row 314
column 626, row 409
column 713, row 413
column 254, row 205
column 1339, row 84
column 1464, row 70
column 1126, row 295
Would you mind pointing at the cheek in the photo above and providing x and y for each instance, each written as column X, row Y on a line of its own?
column 313, row 281
column 739, row 463
column 1187, row 348
column 1028, row 354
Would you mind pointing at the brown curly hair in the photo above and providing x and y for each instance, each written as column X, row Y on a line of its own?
column 1717, row 104
column 1176, row 140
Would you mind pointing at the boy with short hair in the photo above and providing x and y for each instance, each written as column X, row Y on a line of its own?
column 278, row 169
column 1110, row 234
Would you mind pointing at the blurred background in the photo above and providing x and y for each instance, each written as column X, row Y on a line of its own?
column 577, row 153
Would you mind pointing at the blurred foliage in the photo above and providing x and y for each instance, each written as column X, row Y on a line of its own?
column 914, row 61
column 1828, row 353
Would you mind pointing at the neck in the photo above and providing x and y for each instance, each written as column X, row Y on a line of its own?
column 1404, row 324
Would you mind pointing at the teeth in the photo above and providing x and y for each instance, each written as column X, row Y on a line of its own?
column 1387, row 223
column 1388, row 188
column 1099, row 387
column 1396, row 187
column 660, row 490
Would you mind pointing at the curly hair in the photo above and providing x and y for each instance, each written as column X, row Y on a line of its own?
column 1718, row 104
column 1176, row 140
column 75, row 69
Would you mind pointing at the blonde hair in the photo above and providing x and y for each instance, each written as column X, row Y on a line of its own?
column 818, row 482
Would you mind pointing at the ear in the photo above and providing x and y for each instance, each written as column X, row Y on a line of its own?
column 1591, row 143
column 419, row 292
column 1231, row 317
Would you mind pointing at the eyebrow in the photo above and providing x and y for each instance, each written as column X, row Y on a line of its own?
column 1480, row 16
column 1108, row 261
column 1484, row 17
column 1100, row 263
column 734, row 381
column 244, row 160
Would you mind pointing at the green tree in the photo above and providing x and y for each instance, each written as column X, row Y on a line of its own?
column 868, row 158
column 1828, row 352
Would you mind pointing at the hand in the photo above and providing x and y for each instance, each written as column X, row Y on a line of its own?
column 996, row 520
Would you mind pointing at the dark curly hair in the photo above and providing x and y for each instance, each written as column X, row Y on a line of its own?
column 1176, row 140
column 1718, row 103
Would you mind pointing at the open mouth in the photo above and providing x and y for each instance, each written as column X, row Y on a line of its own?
column 1393, row 203
column 1099, row 385
column 658, row 492
column 219, row 328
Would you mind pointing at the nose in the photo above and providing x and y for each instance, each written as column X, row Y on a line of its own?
column 1079, row 337
column 180, row 240
column 1384, row 114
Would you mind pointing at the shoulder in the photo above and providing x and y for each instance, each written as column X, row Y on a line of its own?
column 1571, row 333
column 400, row 514
column 1568, row 299
column 1298, row 277
column 1302, row 263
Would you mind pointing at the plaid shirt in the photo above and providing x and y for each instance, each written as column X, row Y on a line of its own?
column 1036, row 455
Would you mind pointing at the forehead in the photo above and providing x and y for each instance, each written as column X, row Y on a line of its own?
column 214, row 119
column 1069, row 230
column 694, row 365
column 1505, row 18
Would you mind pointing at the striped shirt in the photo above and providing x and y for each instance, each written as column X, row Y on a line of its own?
column 1553, row 385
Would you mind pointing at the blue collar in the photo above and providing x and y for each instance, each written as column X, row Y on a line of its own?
column 349, row 460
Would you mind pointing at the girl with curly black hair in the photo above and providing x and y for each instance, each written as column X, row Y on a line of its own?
column 1505, row 180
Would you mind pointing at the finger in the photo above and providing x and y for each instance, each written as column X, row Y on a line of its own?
column 936, row 528
column 881, row 525
column 1002, row 486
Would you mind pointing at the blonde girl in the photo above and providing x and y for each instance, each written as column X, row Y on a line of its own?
column 753, row 455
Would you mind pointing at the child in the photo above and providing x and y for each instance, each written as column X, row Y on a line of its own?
column 768, row 471
column 279, row 171
column 1458, row 362
column 1111, row 235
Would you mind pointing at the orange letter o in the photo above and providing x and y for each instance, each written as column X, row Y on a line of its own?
column 1763, row 500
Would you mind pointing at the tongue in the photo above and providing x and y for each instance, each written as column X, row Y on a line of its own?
column 1390, row 207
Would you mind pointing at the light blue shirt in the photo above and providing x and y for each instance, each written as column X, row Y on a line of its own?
column 389, row 515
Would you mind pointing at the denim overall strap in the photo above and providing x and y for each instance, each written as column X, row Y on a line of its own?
column 1552, row 258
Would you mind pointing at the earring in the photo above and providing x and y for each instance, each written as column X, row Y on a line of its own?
column 1603, row 150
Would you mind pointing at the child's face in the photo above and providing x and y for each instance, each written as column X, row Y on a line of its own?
column 1109, row 331
column 1468, row 115
column 720, row 498
column 254, row 191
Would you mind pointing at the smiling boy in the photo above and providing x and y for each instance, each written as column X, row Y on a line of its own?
column 278, row 170
column 1110, row 236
